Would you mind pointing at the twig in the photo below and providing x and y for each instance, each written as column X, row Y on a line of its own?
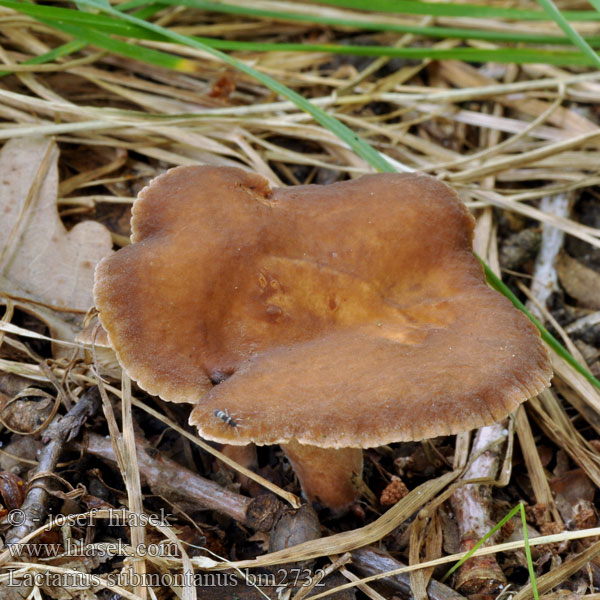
column 582, row 324
column 545, row 280
column 471, row 506
column 62, row 430
column 370, row 561
column 168, row 478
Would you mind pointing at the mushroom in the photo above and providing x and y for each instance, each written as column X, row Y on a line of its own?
column 326, row 319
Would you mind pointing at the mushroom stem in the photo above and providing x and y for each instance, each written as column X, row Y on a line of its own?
column 244, row 456
column 327, row 475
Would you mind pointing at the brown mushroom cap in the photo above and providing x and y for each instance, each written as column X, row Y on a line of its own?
column 347, row 315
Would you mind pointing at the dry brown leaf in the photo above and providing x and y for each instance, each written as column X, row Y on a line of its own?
column 579, row 281
column 574, row 493
column 39, row 258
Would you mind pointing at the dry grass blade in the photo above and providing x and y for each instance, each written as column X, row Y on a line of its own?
column 566, row 225
column 134, row 491
column 344, row 542
column 539, row 482
column 525, row 158
column 558, row 427
column 586, row 392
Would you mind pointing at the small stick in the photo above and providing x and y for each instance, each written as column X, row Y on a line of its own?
column 168, row 478
column 62, row 430
column 369, row 561
column 471, row 506
column 545, row 280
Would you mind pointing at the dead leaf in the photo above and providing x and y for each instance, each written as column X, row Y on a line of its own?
column 29, row 410
column 574, row 493
column 38, row 255
column 39, row 259
column 579, row 281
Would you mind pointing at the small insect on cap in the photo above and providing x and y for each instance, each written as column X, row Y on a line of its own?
column 348, row 315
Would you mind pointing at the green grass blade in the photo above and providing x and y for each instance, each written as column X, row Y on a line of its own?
column 87, row 9
column 521, row 509
column 64, row 50
column 147, row 11
column 499, row 285
column 147, row 55
column 507, row 55
column 451, row 9
column 94, row 28
column 59, row 15
column 125, row 6
column 361, row 25
column 482, row 541
column 528, row 553
column 75, row 45
column 357, row 144
column 564, row 24
column 101, row 24
column 118, row 27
